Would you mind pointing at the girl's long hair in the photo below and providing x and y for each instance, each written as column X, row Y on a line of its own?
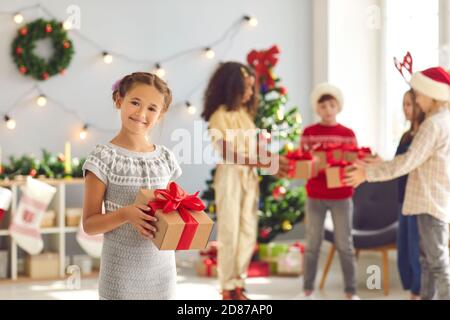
column 226, row 87
column 418, row 116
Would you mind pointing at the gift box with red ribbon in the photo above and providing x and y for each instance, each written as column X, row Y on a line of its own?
column 290, row 264
column 182, row 224
column 327, row 152
column 335, row 174
column 302, row 165
column 206, row 267
column 352, row 152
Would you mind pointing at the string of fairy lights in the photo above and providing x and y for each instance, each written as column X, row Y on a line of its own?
column 109, row 57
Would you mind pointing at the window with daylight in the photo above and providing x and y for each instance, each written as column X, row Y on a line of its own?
column 409, row 25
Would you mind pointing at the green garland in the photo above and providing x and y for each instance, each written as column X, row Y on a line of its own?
column 49, row 166
column 23, row 46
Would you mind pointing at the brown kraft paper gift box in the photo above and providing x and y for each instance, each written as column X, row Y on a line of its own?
column 322, row 157
column 333, row 175
column 305, row 169
column 170, row 225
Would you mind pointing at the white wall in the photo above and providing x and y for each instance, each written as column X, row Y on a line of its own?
column 146, row 30
column 354, row 65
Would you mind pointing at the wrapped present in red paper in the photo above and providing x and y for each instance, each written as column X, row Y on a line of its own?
column 327, row 152
column 182, row 224
column 302, row 165
column 258, row 269
column 352, row 152
column 335, row 174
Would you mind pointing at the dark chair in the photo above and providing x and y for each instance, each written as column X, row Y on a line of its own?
column 375, row 224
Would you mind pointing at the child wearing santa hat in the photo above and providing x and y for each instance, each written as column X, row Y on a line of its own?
column 428, row 188
column 327, row 100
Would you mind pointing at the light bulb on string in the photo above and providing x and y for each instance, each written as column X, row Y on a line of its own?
column 191, row 109
column 209, row 53
column 41, row 100
column 67, row 25
column 251, row 21
column 18, row 18
column 280, row 114
column 298, row 118
column 10, row 123
column 83, row 132
column 107, row 58
column 159, row 70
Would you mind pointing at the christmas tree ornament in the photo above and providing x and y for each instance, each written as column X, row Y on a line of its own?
column 286, row 225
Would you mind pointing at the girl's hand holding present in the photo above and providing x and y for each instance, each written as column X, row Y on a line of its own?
column 141, row 220
column 356, row 176
column 374, row 159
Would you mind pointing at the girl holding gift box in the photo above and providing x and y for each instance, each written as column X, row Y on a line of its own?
column 327, row 101
column 408, row 251
column 427, row 193
column 132, row 267
column 230, row 106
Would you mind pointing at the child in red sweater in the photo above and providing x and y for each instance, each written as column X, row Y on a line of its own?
column 328, row 100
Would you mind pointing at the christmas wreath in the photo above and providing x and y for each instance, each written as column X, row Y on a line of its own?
column 28, row 62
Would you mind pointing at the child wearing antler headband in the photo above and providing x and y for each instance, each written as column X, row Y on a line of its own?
column 427, row 193
column 408, row 251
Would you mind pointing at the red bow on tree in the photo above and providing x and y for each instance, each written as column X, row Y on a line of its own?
column 262, row 62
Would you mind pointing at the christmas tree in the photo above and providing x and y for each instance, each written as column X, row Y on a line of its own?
column 281, row 205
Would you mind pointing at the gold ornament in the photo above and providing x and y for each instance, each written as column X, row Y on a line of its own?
column 286, row 225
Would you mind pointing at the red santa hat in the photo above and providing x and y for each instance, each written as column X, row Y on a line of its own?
column 326, row 89
column 433, row 82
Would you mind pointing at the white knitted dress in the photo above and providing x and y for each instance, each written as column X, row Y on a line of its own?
column 131, row 267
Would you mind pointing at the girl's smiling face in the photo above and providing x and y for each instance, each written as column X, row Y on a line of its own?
column 141, row 108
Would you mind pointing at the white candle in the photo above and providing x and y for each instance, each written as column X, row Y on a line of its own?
column 67, row 159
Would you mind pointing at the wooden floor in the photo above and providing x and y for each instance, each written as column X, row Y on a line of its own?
column 191, row 287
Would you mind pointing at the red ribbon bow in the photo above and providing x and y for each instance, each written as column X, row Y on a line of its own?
column 296, row 155
column 262, row 62
column 209, row 263
column 350, row 148
column 174, row 198
column 341, row 164
column 363, row 152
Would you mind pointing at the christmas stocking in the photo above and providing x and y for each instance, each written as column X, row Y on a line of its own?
column 25, row 225
column 91, row 244
column 5, row 201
